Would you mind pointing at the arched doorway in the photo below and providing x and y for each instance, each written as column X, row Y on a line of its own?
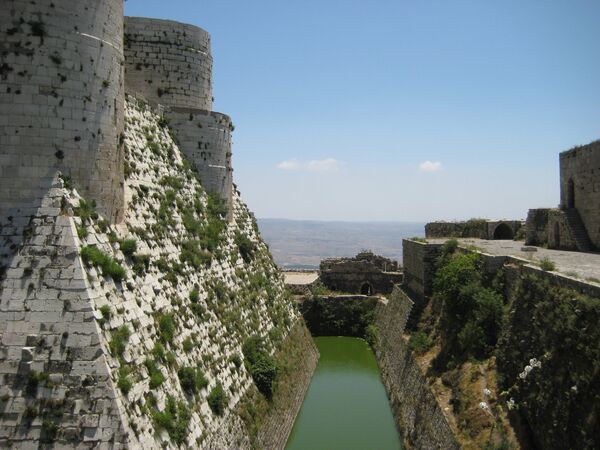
column 556, row 235
column 366, row 289
column 570, row 193
column 503, row 231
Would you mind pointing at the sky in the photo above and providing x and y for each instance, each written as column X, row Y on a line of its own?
column 396, row 110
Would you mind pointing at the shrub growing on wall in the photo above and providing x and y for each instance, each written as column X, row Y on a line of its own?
column 472, row 313
column 261, row 365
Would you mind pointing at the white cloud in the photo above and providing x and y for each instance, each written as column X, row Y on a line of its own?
column 430, row 166
column 315, row 165
column 290, row 164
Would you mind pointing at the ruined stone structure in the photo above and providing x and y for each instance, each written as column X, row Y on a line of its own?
column 61, row 105
column 366, row 274
column 474, row 228
column 576, row 224
column 169, row 64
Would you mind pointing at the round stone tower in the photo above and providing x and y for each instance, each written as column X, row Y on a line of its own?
column 62, row 92
column 168, row 62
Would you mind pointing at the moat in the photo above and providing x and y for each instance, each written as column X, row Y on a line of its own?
column 346, row 405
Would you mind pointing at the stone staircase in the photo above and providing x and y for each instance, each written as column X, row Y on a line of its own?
column 578, row 231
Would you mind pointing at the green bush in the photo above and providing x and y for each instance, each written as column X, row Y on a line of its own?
column 92, row 256
column 156, row 376
column 159, row 352
column 123, row 381
column 188, row 345
column 194, row 255
column 86, row 210
column 471, row 313
column 141, row 263
column 194, row 295
column 371, row 334
column 262, row 367
column 49, row 432
column 128, row 247
column 216, row 206
column 106, row 314
column 547, row 265
column 166, row 327
column 245, row 246
column 419, row 342
column 191, row 379
column 217, row 400
column 119, row 340
column 175, row 419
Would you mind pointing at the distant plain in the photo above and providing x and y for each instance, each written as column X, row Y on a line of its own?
column 302, row 244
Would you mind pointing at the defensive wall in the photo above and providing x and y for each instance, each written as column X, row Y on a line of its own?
column 550, row 315
column 474, row 228
column 170, row 64
column 61, row 102
column 205, row 138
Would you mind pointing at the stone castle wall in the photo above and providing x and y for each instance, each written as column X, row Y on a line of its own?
column 419, row 271
column 474, row 228
column 418, row 416
column 581, row 167
column 205, row 138
column 61, row 102
column 168, row 62
column 549, row 227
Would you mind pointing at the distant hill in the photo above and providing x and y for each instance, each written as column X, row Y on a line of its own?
column 302, row 244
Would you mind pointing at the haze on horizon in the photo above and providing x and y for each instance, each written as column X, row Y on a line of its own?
column 400, row 110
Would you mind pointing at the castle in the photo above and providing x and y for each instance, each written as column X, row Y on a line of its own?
column 65, row 69
column 575, row 225
column 131, row 272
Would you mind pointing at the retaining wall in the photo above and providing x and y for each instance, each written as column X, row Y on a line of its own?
column 300, row 349
column 419, row 418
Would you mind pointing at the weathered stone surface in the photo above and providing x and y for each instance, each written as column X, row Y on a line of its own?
column 168, row 63
column 420, row 419
column 62, row 96
column 474, row 228
column 580, row 186
column 366, row 274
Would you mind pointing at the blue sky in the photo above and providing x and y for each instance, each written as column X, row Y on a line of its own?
column 400, row 110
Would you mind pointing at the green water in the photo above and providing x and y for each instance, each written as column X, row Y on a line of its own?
column 346, row 407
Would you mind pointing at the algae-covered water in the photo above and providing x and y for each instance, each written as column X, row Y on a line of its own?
column 346, row 407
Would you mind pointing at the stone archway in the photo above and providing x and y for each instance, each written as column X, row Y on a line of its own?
column 366, row 289
column 503, row 231
column 570, row 193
